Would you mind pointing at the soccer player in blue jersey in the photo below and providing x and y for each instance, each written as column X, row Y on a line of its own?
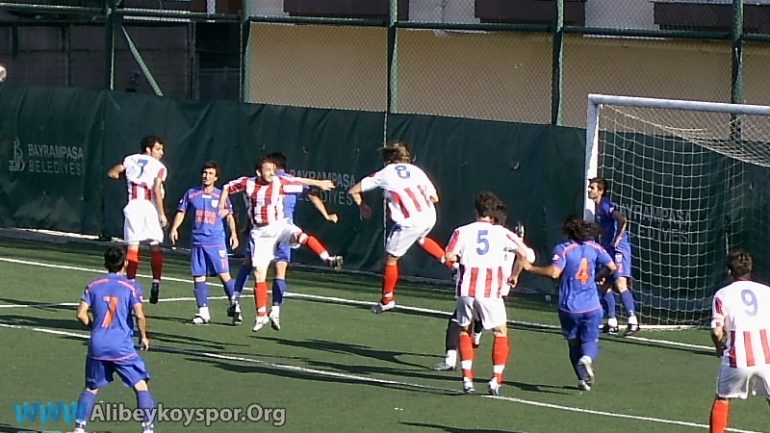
column 283, row 250
column 580, row 312
column 208, row 255
column 614, row 238
column 111, row 299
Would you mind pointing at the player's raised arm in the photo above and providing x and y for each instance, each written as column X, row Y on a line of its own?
column 323, row 184
column 116, row 171
column 320, row 206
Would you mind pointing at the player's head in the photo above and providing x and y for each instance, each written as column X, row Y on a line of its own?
column 115, row 259
column 279, row 158
column 597, row 188
column 397, row 152
column 500, row 214
column 265, row 168
column 153, row 145
column 210, row 173
column 740, row 264
column 577, row 229
column 488, row 205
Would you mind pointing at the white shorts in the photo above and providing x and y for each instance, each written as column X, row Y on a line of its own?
column 491, row 311
column 401, row 238
column 141, row 222
column 262, row 241
column 736, row 382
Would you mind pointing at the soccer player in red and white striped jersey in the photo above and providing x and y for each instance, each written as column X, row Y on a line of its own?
column 411, row 200
column 145, row 216
column 483, row 249
column 269, row 225
column 740, row 330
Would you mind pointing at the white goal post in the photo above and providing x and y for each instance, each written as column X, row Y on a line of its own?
column 694, row 180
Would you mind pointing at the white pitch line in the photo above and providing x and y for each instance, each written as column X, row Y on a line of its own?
column 332, row 299
column 364, row 379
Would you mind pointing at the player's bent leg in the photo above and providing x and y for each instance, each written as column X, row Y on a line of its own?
column 156, row 263
column 132, row 256
column 318, row 248
column 433, row 248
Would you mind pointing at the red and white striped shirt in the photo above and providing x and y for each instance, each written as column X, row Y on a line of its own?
column 265, row 199
column 141, row 172
column 486, row 258
column 408, row 191
column 743, row 309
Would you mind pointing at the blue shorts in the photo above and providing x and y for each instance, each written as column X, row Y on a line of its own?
column 100, row 373
column 581, row 326
column 209, row 261
column 623, row 265
column 283, row 252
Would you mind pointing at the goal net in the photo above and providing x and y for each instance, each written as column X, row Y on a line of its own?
column 693, row 178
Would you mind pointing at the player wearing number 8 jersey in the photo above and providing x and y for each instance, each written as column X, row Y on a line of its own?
column 411, row 200
column 112, row 299
column 580, row 312
column 740, row 330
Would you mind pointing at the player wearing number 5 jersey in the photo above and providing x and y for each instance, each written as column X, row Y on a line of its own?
column 112, row 299
column 145, row 216
column 411, row 199
column 483, row 248
column 740, row 330
column 580, row 312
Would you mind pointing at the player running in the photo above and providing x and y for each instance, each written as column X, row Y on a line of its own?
column 580, row 312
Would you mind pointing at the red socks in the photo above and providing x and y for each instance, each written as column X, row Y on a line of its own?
column 260, row 298
column 433, row 248
column 156, row 262
column 389, row 280
column 720, row 414
column 133, row 264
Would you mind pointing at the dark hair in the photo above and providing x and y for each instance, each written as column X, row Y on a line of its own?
column 397, row 151
column 279, row 158
column 739, row 263
column 578, row 229
column 149, row 141
column 114, row 259
column 260, row 161
column 499, row 214
column 602, row 183
column 487, row 204
column 211, row 164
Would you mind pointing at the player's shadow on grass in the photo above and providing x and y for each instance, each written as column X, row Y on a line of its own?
column 621, row 340
column 550, row 389
column 5, row 428
column 32, row 321
column 450, row 429
column 294, row 372
column 198, row 342
column 352, row 349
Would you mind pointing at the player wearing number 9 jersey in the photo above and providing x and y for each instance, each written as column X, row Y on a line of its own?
column 740, row 330
column 580, row 312
column 411, row 200
column 111, row 300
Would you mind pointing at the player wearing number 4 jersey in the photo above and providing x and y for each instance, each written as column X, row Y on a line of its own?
column 144, row 214
column 580, row 312
column 112, row 299
column 411, row 200
column 740, row 330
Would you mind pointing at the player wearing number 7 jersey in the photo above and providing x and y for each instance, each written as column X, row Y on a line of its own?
column 411, row 200
column 580, row 312
column 740, row 326
column 112, row 299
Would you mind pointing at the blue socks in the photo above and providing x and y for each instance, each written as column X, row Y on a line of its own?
column 628, row 301
column 240, row 280
column 279, row 289
column 85, row 406
column 229, row 287
column 201, row 293
column 145, row 403
column 608, row 301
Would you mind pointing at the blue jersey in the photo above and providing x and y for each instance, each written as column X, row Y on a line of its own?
column 208, row 226
column 609, row 227
column 112, row 299
column 577, row 288
column 290, row 200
